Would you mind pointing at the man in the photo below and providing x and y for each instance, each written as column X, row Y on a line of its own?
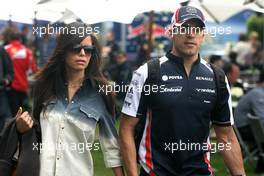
column 181, row 111
column 251, row 103
column 232, row 72
column 111, row 48
column 23, row 63
column 256, row 55
column 45, row 45
column 120, row 73
column 242, row 48
column 6, row 76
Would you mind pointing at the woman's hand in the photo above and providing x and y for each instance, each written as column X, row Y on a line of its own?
column 118, row 171
column 23, row 121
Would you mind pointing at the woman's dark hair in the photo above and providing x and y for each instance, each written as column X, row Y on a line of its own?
column 51, row 77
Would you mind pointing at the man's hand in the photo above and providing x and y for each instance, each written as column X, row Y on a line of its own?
column 23, row 121
column 4, row 82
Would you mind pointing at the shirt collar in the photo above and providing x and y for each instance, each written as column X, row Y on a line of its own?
column 15, row 42
column 179, row 59
column 87, row 84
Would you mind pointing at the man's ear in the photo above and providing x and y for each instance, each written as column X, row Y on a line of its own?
column 168, row 32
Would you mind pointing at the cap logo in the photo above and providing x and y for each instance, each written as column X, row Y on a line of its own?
column 191, row 10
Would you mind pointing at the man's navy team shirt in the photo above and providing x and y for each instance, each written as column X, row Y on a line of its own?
column 181, row 113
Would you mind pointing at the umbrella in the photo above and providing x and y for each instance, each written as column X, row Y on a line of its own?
column 68, row 17
column 122, row 11
column 220, row 11
column 259, row 3
column 27, row 10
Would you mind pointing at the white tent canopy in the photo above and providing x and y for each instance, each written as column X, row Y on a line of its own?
column 122, row 11
column 27, row 10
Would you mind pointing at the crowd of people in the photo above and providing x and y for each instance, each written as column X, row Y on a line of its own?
column 17, row 63
column 247, row 55
column 70, row 96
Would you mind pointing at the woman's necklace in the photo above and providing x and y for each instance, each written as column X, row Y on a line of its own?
column 75, row 85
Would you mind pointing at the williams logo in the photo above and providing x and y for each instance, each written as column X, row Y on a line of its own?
column 205, row 90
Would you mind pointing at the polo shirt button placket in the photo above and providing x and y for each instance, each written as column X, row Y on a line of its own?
column 60, row 144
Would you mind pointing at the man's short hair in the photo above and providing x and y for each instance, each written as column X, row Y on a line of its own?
column 227, row 67
column 15, row 36
column 242, row 37
column 214, row 58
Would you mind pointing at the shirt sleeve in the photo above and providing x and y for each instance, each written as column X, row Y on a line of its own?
column 109, row 141
column 134, row 103
column 223, row 115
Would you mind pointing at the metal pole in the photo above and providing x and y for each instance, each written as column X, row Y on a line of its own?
column 123, row 37
column 150, row 44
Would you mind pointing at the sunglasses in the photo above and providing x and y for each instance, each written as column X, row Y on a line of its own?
column 88, row 49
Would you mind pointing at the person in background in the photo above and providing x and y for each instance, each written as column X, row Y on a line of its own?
column 25, row 35
column 120, row 74
column 232, row 56
column 237, row 88
column 251, row 103
column 7, row 34
column 242, row 48
column 111, row 48
column 24, row 64
column 254, row 39
column 142, row 55
column 232, row 72
column 256, row 56
column 6, row 77
column 45, row 46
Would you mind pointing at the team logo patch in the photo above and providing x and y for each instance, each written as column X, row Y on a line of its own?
column 165, row 78
column 191, row 10
column 171, row 77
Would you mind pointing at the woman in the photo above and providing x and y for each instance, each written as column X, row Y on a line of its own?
column 68, row 105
